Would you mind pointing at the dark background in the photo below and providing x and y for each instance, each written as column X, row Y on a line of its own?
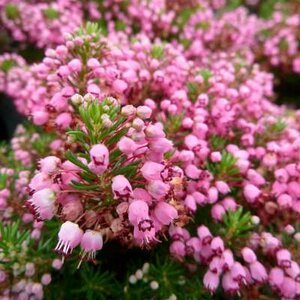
column 9, row 118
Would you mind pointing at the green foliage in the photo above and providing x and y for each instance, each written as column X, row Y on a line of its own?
column 11, row 242
column 41, row 145
column 272, row 132
column 92, row 114
column 225, row 169
column 267, row 8
column 7, row 65
column 157, row 51
column 3, row 178
column 128, row 170
column 11, row 11
column 120, row 25
column 203, row 25
column 194, row 88
column 185, row 43
column 96, row 284
column 233, row 4
column 217, row 142
column 206, row 74
column 102, row 24
column 173, row 128
column 278, row 127
column 236, row 225
column 73, row 159
column 164, row 279
column 184, row 16
column 193, row 91
column 91, row 29
column 51, row 13
column 172, row 124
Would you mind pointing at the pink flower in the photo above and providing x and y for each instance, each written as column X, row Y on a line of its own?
column 42, row 204
column 152, row 171
column 93, row 63
column 251, row 193
column 296, row 65
column 204, row 235
column 217, row 245
column 40, row 117
column 282, row 175
column 155, row 131
column 144, row 112
column 276, row 277
column 139, row 193
column 238, row 273
column 63, row 120
column 72, row 210
column 211, row 281
column 228, row 260
column 99, row 158
column 57, row 264
column 194, row 244
column 70, row 236
column 199, row 198
column 285, row 201
column 192, row 171
column 144, row 232
column 121, row 187
column 165, row 213
column 288, row 288
column 138, row 210
column 74, row 65
column 127, row 145
column 94, row 90
column 216, row 156
column 91, row 242
column 179, row 233
column 229, row 284
column 158, row 189
column 248, row 255
column 258, row 271
column 190, row 203
column 218, row 212
column 213, row 195
column 283, row 258
column 46, row 279
column 119, row 86
column 49, row 164
column 294, row 270
column 255, row 178
column 128, row 110
column 177, row 249
column 229, row 204
column 160, row 146
column 222, row 187
column 216, row 264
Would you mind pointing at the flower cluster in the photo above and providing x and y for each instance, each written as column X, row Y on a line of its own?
column 42, row 23
column 7, row 62
column 161, row 124
column 279, row 39
column 21, row 275
column 119, row 185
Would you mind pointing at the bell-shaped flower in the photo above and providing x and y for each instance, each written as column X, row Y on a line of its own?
column 121, row 187
column 165, row 213
column 69, row 237
column 42, row 204
column 91, row 242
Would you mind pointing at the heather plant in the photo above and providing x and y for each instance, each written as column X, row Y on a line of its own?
column 155, row 162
